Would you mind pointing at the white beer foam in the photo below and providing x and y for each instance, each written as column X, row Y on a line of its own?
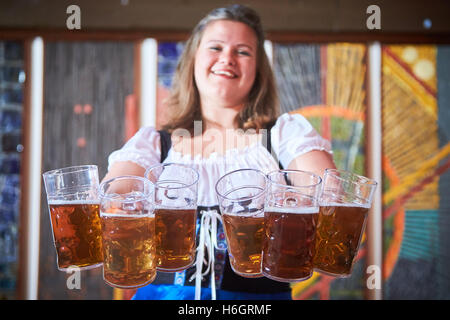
column 175, row 208
column 293, row 210
column 125, row 215
column 257, row 214
column 73, row 202
column 350, row 205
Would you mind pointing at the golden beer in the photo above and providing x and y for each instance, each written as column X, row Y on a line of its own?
column 175, row 238
column 77, row 233
column 339, row 231
column 244, row 238
column 129, row 250
column 288, row 248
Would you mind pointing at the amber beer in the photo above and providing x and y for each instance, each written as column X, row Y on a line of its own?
column 244, row 238
column 76, row 233
column 176, row 187
column 288, row 248
column 339, row 230
column 175, row 238
column 129, row 249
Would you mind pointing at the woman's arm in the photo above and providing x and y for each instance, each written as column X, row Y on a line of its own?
column 314, row 161
column 124, row 168
column 140, row 152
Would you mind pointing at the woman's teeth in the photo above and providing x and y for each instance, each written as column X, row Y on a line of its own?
column 224, row 73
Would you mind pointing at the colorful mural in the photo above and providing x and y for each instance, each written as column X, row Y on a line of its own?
column 326, row 84
column 416, row 153
column 416, row 150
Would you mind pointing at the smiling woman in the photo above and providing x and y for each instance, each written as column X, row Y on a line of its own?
column 224, row 82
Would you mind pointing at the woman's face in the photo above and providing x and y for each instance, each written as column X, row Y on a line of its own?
column 225, row 63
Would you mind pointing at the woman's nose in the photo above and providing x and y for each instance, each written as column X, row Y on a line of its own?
column 227, row 57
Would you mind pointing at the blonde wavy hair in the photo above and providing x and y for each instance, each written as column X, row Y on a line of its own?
column 183, row 103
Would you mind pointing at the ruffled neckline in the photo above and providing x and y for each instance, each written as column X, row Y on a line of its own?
column 214, row 156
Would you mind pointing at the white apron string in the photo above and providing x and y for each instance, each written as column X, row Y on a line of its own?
column 208, row 240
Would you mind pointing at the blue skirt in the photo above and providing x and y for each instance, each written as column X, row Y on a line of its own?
column 175, row 292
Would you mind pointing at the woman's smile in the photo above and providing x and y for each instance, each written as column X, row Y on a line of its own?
column 225, row 73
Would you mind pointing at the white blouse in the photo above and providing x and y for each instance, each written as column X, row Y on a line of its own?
column 291, row 136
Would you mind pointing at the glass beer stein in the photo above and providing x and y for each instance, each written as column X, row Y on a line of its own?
column 241, row 195
column 344, row 203
column 72, row 197
column 128, row 229
column 176, row 188
column 291, row 213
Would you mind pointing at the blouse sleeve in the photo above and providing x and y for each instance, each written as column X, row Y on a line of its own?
column 143, row 148
column 293, row 135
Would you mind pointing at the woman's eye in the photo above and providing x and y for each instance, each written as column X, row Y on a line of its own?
column 244, row 53
column 214, row 48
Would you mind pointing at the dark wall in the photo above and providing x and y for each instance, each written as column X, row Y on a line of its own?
column 280, row 15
